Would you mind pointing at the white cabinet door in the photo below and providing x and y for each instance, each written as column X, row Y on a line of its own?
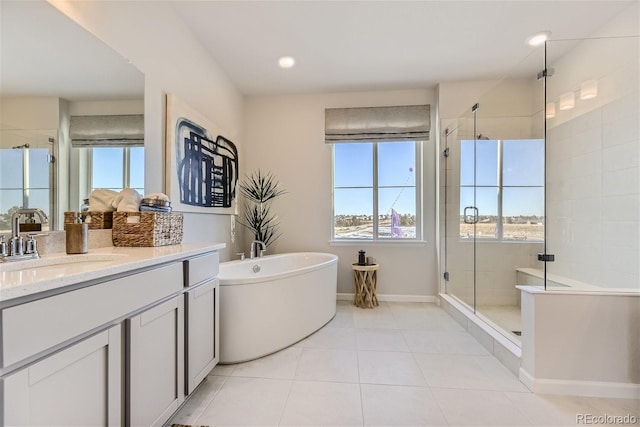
column 78, row 386
column 203, row 342
column 155, row 364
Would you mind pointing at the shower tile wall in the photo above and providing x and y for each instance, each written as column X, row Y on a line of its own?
column 593, row 175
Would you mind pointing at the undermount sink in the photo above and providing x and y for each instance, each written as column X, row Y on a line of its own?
column 89, row 260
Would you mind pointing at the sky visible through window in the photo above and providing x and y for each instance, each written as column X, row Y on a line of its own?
column 523, row 170
column 12, row 179
column 353, row 178
column 108, row 165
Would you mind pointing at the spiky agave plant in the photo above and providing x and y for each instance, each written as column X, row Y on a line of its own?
column 260, row 189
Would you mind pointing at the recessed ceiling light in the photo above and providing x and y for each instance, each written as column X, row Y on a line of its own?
column 286, row 62
column 538, row 38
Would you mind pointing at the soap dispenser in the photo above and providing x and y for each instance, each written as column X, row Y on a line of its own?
column 77, row 236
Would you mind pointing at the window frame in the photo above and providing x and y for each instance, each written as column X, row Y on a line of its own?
column 418, row 147
column 499, row 187
column 126, row 166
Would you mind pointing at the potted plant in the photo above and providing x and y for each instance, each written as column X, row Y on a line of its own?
column 259, row 191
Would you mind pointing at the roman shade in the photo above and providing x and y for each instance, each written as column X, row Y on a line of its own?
column 107, row 131
column 377, row 124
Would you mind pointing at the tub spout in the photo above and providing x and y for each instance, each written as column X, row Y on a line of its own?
column 253, row 252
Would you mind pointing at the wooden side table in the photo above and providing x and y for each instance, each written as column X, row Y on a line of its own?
column 365, row 277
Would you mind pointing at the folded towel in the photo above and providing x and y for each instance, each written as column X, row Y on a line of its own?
column 157, row 196
column 128, row 200
column 101, row 200
column 153, row 208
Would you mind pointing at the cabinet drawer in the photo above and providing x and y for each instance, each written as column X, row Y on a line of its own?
column 39, row 325
column 202, row 268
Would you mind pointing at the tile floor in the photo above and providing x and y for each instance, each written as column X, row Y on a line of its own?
column 400, row 364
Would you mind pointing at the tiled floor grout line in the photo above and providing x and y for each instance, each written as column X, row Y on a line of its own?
column 442, row 412
column 205, row 407
column 286, row 401
column 487, row 383
column 355, row 339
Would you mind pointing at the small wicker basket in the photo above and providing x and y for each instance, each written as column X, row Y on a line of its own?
column 147, row 228
column 95, row 220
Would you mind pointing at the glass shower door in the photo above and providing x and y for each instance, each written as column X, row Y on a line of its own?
column 495, row 201
column 26, row 175
column 460, row 215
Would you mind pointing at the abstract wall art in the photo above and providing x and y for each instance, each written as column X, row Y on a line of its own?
column 202, row 164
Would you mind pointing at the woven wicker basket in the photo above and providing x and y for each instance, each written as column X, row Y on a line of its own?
column 96, row 220
column 147, row 228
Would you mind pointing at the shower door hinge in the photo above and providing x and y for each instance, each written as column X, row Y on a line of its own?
column 51, row 158
column 547, row 72
column 446, row 276
column 446, row 152
column 546, row 257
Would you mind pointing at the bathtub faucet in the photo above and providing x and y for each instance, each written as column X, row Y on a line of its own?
column 253, row 252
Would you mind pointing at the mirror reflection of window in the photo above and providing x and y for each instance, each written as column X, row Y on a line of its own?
column 25, row 179
column 116, row 168
column 111, row 150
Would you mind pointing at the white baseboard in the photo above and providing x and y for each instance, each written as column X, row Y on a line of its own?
column 580, row 388
column 394, row 298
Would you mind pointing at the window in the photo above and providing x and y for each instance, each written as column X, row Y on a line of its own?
column 117, row 168
column 375, row 191
column 25, row 177
column 502, row 189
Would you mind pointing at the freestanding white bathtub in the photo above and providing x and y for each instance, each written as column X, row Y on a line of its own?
column 269, row 303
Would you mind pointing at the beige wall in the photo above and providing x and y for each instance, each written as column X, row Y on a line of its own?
column 159, row 45
column 285, row 135
column 580, row 344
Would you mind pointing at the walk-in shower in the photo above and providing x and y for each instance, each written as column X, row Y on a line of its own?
column 541, row 182
column 26, row 173
column 494, row 198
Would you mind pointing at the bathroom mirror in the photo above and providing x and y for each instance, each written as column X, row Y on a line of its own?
column 52, row 69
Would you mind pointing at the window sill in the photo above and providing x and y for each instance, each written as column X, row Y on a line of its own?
column 491, row 240
column 364, row 242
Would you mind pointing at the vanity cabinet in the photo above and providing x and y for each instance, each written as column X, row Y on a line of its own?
column 155, row 348
column 78, row 386
column 202, row 332
column 125, row 350
column 202, row 308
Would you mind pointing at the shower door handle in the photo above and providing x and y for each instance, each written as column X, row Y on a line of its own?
column 471, row 218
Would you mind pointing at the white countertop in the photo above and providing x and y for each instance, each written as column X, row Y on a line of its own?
column 58, row 270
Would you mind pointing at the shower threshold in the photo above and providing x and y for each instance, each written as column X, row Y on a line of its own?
column 504, row 345
column 506, row 319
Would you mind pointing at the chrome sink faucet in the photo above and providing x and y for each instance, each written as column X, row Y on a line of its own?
column 253, row 252
column 16, row 249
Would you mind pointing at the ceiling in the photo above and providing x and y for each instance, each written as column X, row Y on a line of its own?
column 338, row 45
column 44, row 53
column 377, row 45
